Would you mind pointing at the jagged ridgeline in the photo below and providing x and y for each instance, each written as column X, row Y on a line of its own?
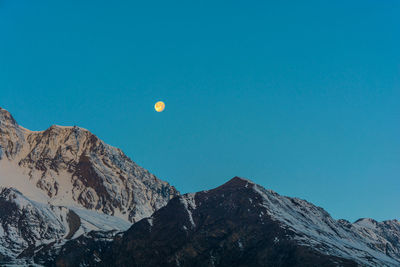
column 69, row 199
column 70, row 165
column 66, row 171
column 237, row 224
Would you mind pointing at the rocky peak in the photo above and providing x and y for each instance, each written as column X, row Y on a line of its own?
column 237, row 182
column 72, row 166
column 225, row 226
column 366, row 222
column 11, row 135
column 58, row 145
column 7, row 118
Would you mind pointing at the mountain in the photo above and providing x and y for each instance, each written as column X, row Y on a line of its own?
column 71, row 166
column 26, row 224
column 63, row 182
column 237, row 224
column 69, row 199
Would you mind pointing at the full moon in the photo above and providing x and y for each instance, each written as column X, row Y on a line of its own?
column 159, row 106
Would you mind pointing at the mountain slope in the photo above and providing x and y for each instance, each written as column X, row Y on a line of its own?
column 58, row 184
column 241, row 224
column 26, row 224
column 72, row 167
column 66, row 197
column 314, row 227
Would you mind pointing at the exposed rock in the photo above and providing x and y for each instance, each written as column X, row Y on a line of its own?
column 63, row 182
column 242, row 224
column 71, row 166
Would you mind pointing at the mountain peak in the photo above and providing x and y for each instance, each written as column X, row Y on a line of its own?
column 11, row 134
column 72, row 128
column 366, row 221
column 250, row 226
column 71, row 165
column 6, row 116
column 237, row 182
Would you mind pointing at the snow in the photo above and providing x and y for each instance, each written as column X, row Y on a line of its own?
column 43, row 166
column 135, row 192
column 367, row 223
column 96, row 258
column 92, row 220
column 40, row 222
column 150, row 221
column 314, row 227
column 240, row 245
column 13, row 176
column 44, row 217
column 188, row 200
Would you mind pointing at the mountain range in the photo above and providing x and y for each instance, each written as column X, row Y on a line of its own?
column 69, row 199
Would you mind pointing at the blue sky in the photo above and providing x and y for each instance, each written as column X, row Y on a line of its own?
column 300, row 98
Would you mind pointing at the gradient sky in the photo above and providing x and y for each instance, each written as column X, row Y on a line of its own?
column 301, row 98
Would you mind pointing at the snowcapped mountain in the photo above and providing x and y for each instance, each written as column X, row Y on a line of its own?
column 70, row 166
column 63, row 182
column 69, row 199
column 239, row 224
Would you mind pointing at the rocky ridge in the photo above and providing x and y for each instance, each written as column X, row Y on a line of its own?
column 64, row 182
column 72, row 166
column 240, row 224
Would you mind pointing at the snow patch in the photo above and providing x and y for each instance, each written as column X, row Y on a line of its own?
column 188, row 200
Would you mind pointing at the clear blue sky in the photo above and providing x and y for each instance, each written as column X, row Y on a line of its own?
column 301, row 98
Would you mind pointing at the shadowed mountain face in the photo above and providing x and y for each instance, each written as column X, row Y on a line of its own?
column 240, row 224
column 220, row 227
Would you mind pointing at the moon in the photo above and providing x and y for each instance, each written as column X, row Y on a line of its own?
column 159, row 106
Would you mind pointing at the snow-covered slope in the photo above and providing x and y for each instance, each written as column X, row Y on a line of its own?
column 70, row 166
column 25, row 223
column 365, row 241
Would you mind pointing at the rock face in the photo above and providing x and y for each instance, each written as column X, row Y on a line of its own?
column 64, row 182
column 26, row 224
column 71, row 166
column 86, row 250
column 241, row 224
column 11, row 136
